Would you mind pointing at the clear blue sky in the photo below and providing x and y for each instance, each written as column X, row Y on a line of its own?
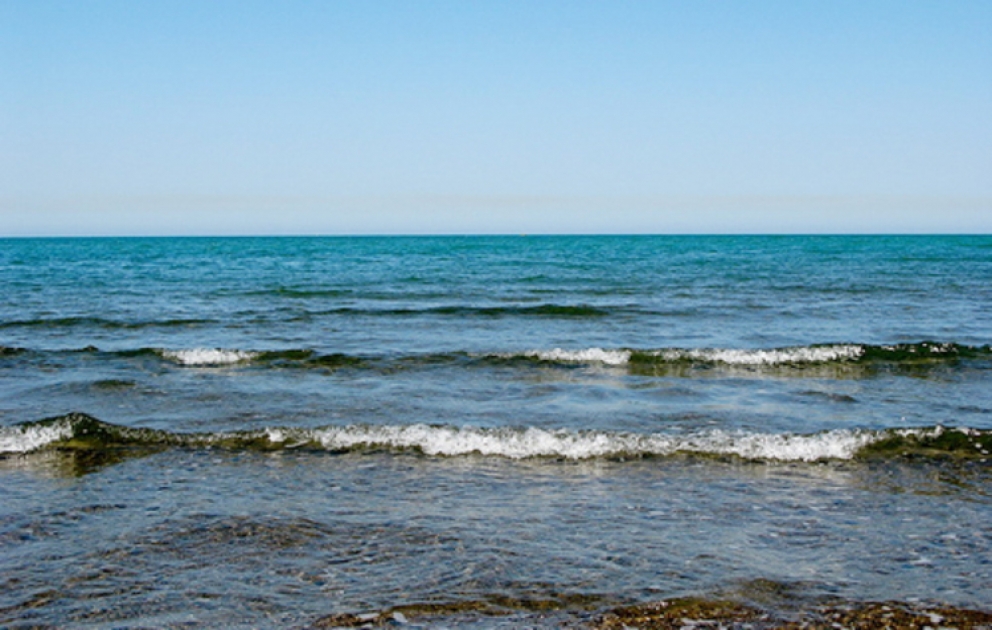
column 495, row 117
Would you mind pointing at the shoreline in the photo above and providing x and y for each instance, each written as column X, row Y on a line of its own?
column 576, row 612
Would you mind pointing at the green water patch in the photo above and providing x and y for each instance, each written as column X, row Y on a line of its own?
column 302, row 293
column 308, row 359
column 923, row 352
column 84, row 432
column 113, row 384
column 570, row 311
column 930, row 443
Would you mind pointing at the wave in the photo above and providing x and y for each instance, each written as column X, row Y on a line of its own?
column 537, row 310
column 588, row 355
column 100, row 322
column 208, row 356
column 296, row 292
column 549, row 310
column 778, row 356
column 84, row 432
column 819, row 354
column 827, row 359
column 214, row 357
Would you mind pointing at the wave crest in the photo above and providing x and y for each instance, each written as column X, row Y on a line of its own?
column 208, row 356
column 589, row 355
column 777, row 356
column 850, row 360
column 25, row 438
column 909, row 354
column 534, row 442
column 83, row 431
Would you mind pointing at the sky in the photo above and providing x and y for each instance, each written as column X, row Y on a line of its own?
column 474, row 117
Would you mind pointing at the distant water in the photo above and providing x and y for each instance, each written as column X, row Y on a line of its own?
column 497, row 431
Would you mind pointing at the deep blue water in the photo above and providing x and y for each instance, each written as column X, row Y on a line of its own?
column 283, row 428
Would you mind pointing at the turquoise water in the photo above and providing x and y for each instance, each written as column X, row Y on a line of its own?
column 263, row 431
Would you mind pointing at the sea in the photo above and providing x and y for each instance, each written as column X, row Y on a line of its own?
column 490, row 431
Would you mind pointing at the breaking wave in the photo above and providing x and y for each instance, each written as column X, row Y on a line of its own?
column 589, row 355
column 208, row 356
column 795, row 356
column 80, row 431
column 778, row 356
column 851, row 359
column 835, row 354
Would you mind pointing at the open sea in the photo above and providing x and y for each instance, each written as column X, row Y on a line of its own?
column 493, row 432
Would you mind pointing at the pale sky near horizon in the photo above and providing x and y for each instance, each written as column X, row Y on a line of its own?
column 387, row 117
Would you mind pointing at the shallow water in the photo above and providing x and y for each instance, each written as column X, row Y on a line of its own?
column 247, row 538
column 519, row 429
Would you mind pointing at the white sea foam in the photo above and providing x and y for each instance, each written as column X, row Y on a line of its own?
column 841, row 444
column 23, row 439
column 728, row 356
column 778, row 356
column 523, row 443
column 535, row 442
column 597, row 355
column 208, row 356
